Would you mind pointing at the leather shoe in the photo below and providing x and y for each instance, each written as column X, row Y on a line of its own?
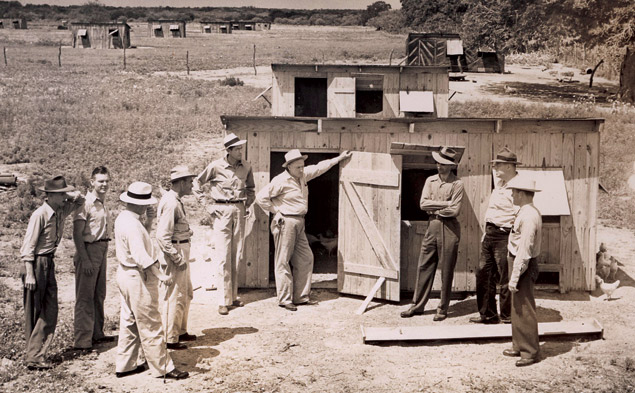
column 506, row 320
column 511, row 352
column 486, row 321
column 187, row 337
column 409, row 313
column 289, row 306
column 525, row 362
column 39, row 365
column 222, row 310
column 139, row 369
column 309, row 302
column 176, row 346
column 177, row 374
column 105, row 339
column 238, row 303
column 439, row 317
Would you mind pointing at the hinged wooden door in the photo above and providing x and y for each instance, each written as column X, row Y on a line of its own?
column 341, row 96
column 369, row 225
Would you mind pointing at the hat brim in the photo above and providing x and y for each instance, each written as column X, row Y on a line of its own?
column 239, row 143
column 437, row 157
column 524, row 189
column 182, row 177
column 506, row 162
column 303, row 158
column 65, row 189
column 141, row 202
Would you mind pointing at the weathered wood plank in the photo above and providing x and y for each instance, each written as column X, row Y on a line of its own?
column 567, row 233
column 370, row 270
column 369, row 176
column 370, row 295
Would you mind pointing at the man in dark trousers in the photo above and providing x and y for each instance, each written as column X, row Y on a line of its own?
column 492, row 268
column 524, row 249
column 441, row 199
column 43, row 235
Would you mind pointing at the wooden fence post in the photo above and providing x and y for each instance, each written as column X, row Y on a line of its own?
column 254, row 61
column 390, row 60
column 4, row 50
column 124, row 56
column 187, row 61
column 59, row 56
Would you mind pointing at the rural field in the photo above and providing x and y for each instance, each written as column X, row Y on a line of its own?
column 142, row 120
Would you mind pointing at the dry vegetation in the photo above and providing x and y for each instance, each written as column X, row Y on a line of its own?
column 92, row 112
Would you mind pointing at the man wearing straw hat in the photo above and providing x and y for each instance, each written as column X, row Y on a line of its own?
column 232, row 193
column 43, row 234
column 287, row 197
column 524, row 248
column 91, row 234
column 173, row 237
column 492, row 269
column 141, row 338
column 441, row 198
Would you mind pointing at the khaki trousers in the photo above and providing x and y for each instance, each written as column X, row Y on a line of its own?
column 524, row 321
column 175, row 304
column 228, row 234
column 293, row 260
column 90, row 293
column 140, row 331
column 40, row 309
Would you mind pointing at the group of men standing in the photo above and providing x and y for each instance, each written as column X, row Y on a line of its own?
column 154, row 273
column 509, row 248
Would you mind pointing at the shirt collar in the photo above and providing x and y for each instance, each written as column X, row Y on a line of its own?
column 227, row 164
column 502, row 183
column 451, row 178
column 48, row 209
column 92, row 197
column 132, row 214
column 175, row 194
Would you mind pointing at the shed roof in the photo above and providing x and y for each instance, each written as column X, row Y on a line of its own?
column 434, row 35
column 99, row 24
column 360, row 67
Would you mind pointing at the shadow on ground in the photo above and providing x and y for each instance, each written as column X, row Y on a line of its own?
column 555, row 91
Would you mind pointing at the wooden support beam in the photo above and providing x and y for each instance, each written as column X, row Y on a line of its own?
column 588, row 328
column 371, row 295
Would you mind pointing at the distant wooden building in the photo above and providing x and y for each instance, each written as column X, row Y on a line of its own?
column 250, row 25
column 345, row 90
column 370, row 202
column 106, row 35
column 446, row 49
column 13, row 23
column 217, row 26
column 166, row 28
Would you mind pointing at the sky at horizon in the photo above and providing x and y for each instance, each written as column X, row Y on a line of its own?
column 297, row 4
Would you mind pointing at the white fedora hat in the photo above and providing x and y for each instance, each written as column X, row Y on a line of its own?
column 523, row 183
column 139, row 193
column 293, row 155
column 231, row 140
column 179, row 172
column 446, row 156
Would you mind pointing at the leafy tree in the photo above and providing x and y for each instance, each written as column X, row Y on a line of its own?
column 374, row 10
column 392, row 21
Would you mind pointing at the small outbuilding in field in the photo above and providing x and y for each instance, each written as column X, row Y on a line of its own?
column 345, row 90
column 166, row 28
column 248, row 25
column 106, row 35
column 13, row 23
column 446, row 49
column 216, row 26
column 370, row 203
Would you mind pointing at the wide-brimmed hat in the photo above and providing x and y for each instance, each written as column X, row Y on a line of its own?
column 523, row 183
column 506, row 156
column 293, row 155
column 179, row 172
column 139, row 193
column 56, row 184
column 446, row 156
column 231, row 140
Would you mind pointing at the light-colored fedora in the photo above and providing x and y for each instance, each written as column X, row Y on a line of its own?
column 179, row 172
column 56, row 184
column 293, row 155
column 139, row 193
column 445, row 156
column 523, row 183
column 231, row 140
column 506, row 156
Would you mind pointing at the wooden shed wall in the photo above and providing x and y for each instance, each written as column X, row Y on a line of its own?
column 572, row 145
column 165, row 28
column 98, row 35
column 283, row 91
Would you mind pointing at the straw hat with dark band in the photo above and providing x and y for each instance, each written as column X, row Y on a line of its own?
column 446, row 156
column 231, row 140
column 139, row 193
column 506, row 156
column 293, row 155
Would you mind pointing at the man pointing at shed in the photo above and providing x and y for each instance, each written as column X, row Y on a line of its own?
column 287, row 196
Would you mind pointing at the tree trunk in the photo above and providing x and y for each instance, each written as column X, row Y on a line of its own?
column 627, row 77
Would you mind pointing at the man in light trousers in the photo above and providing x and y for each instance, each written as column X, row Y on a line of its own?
column 141, row 337
column 173, row 237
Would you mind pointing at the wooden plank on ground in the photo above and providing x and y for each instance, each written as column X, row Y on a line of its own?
column 587, row 328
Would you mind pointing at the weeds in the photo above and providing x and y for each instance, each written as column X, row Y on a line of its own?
column 231, row 81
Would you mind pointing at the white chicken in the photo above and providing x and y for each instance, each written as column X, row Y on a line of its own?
column 607, row 289
column 330, row 243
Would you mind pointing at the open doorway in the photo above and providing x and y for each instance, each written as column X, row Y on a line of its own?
column 310, row 97
column 321, row 221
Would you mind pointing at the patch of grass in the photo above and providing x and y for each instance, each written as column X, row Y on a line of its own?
column 231, row 81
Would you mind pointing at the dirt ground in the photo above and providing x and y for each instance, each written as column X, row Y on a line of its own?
column 263, row 348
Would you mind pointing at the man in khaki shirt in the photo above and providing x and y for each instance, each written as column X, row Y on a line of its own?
column 287, row 196
column 232, row 193
column 91, row 234
column 43, row 234
column 524, row 249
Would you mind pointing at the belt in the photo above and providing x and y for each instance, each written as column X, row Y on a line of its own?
column 47, row 255
column 438, row 217
column 502, row 229
column 181, row 241
column 218, row 201
column 100, row 240
column 293, row 215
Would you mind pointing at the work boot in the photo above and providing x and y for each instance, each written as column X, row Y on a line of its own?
column 222, row 310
